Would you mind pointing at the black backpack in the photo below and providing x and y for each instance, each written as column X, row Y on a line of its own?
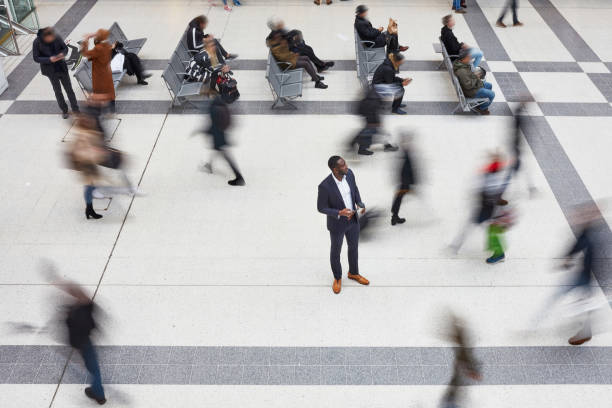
column 227, row 87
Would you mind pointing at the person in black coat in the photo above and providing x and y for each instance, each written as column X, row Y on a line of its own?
column 453, row 46
column 195, row 38
column 369, row 109
column 407, row 181
column 377, row 36
column 49, row 50
column 339, row 199
column 386, row 81
column 132, row 63
column 296, row 43
column 220, row 121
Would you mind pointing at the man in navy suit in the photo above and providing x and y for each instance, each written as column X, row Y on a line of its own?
column 339, row 199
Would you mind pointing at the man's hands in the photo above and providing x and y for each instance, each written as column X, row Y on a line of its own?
column 381, row 29
column 406, row 81
column 347, row 213
column 57, row 57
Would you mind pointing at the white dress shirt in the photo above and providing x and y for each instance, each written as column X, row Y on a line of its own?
column 345, row 192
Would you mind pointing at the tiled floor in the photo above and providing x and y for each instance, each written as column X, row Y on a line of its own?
column 221, row 297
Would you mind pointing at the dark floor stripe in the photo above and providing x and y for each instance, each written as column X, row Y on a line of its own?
column 575, row 109
column 483, row 33
column 603, row 82
column 547, row 66
column 574, row 43
column 27, row 69
column 305, row 365
column 252, row 108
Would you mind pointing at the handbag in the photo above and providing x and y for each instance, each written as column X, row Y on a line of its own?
column 227, row 87
column 114, row 158
column 117, row 63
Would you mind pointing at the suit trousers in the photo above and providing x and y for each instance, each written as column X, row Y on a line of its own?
column 57, row 81
column 351, row 232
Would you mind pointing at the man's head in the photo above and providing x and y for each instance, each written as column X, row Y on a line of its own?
column 397, row 59
column 338, row 166
column 448, row 21
column 361, row 11
column 464, row 56
column 48, row 35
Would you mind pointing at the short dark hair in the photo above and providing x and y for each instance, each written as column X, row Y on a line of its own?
column 333, row 162
column 446, row 19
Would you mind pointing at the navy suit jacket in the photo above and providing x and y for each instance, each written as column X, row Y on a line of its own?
column 330, row 202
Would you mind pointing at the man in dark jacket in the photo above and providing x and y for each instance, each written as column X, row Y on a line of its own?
column 49, row 50
column 453, row 46
column 220, row 121
column 339, row 199
column 369, row 109
column 471, row 82
column 377, row 36
column 386, row 82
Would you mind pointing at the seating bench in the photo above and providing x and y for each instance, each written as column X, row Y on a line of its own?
column 284, row 84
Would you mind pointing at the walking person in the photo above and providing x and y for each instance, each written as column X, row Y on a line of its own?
column 339, row 199
column 407, row 181
column 80, row 323
column 369, row 109
column 101, row 74
column 510, row 4
column 220, row 121
column 49, row 50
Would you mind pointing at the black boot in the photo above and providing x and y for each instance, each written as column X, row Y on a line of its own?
column 395, row 219
column 238, row 181
column 89, row 212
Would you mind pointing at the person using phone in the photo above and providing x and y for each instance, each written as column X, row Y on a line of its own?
column 49, row 50
column 339, row 199
column 386, row 81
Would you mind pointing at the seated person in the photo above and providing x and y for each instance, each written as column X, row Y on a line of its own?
column 377, row 36
column 386, row 82
column 195, row 37
column 471, row 83
column 131, row 63
column 297, row 44
column 287, row 59
column 453, row 47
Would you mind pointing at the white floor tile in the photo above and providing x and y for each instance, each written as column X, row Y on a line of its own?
column 562, row 87
column 594, row 67
column 502, row 66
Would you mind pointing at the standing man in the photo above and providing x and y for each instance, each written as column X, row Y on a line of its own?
column 49, row 50
column 513, row 4
column 339, row 199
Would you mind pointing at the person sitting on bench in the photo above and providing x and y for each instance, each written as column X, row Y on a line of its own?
column 287, row 59
column 296, row 43
column 195, row 37
column 386, row 82
column 378, row 37
column 131, row 63
column 471, row 83
column 453, row 46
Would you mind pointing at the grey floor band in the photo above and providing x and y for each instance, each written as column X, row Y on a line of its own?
column 305, row 365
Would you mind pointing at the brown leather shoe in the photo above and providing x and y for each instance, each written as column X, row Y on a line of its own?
column 328, row 2
column 360, row 279
column 518, row 24
column 403, row 48
column 482, row 111
column 317, row 2
column 578, row 340
column 337, row 285
column 500, row 24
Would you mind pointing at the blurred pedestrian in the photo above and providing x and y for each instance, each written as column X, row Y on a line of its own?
column 465, row 368
column 407, row 180
column 339, row 199
column 369, row 108
column 590, row 243
column 516, row 148
column 49, row 50
column 502, row 219
column 387, row 83
column 488, row 197
column 220, row 121
column 80, row 323
column 510, row 4
column 100, row 56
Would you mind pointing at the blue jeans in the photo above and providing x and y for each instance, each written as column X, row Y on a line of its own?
column 457, row 4
column 88, row 193
column 91, row 363
column 477, row 55
column 485, row 92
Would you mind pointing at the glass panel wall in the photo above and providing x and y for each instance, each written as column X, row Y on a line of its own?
column 24, row 13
